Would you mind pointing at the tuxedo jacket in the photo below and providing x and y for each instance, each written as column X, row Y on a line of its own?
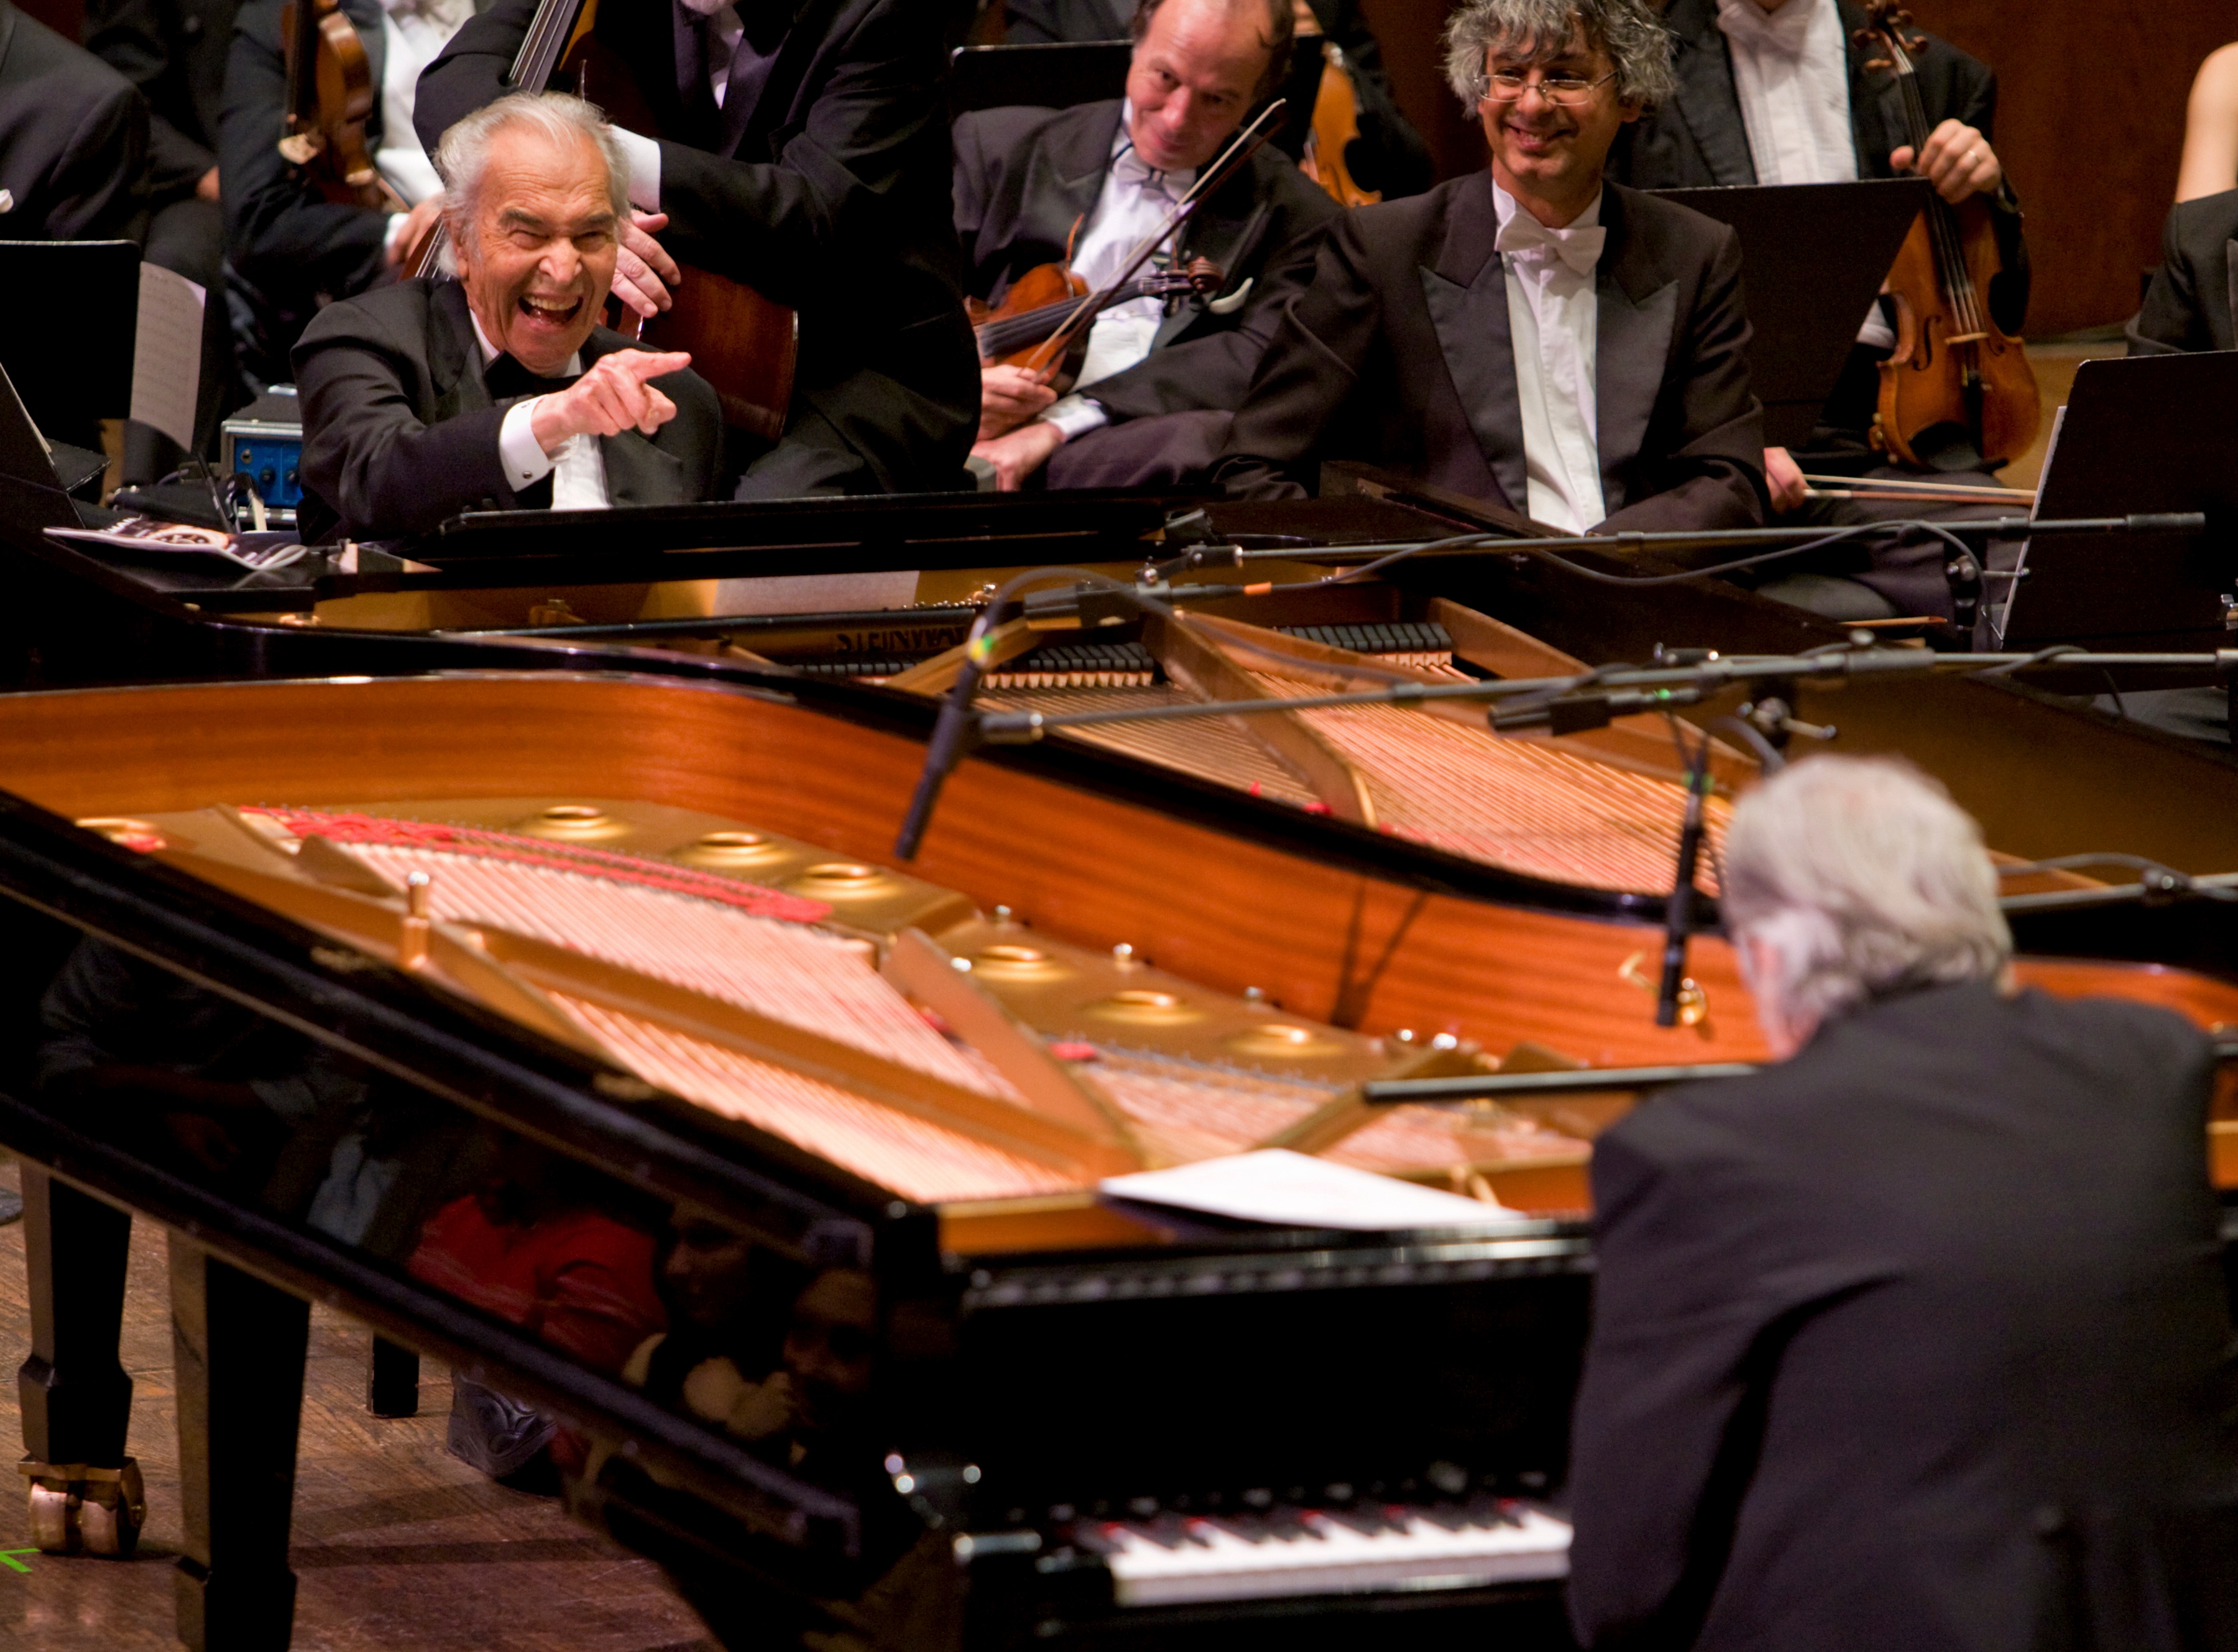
column 1025, row 177
column 828, row 192
column 1698, row 140
column 1398, row 353
column 175, row 52
column 2193, row 302
column 400, row 430
column 72, row 139
column 1919, row 1339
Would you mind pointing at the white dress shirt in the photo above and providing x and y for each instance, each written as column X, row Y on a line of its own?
column 412, row 33
column 1553, row 318
column 1791, row 75
column 1133, row 201
column 579, row 475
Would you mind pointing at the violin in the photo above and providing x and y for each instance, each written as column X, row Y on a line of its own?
column 745, row 344
column 330, row 95
column 1019, row 331
column 1958, row 384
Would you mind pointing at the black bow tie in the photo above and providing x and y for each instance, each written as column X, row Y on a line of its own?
column 507, row 377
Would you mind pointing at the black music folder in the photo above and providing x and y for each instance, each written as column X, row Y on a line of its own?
column 1813, row 257
column 72, row 377
column 2145, row 435
column 36, row 480
column 1051, row 75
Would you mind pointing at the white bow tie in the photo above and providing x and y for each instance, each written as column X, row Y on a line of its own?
column 1523, row 235
column 1128, row 167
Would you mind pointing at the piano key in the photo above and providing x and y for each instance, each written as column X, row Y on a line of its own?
column 1325, row 1552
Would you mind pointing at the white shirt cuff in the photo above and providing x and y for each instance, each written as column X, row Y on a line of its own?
column 526, row 462
column 1075, row 415
column 645, row 169
column 396, row 220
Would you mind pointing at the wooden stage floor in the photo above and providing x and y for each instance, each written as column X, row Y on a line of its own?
column 397, row 1545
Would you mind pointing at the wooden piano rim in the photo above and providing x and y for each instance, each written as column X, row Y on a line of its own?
column 1279, row 904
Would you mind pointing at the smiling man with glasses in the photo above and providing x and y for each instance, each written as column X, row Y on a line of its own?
column 1532, row 337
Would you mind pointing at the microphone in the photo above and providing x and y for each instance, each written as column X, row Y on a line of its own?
column 1679, row 917
column 954, row 735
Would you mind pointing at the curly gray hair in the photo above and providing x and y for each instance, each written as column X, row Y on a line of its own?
column 1629, row 30
column 464, row 152
column 1865, row 879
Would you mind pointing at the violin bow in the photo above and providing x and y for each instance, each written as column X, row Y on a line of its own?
column 1246, row 143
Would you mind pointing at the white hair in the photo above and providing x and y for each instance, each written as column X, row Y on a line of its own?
column 464, row 152
column 1863, row 878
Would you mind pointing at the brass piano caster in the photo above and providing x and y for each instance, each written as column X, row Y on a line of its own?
column 80, row 1509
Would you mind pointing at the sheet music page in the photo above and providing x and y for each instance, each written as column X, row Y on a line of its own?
column 1293, row 1190
column 167, row 360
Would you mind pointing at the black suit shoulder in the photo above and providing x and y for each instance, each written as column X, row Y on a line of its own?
column 2188, row 305
column 73, row 138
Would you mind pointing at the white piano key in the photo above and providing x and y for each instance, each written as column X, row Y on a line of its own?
column 1178, row 1559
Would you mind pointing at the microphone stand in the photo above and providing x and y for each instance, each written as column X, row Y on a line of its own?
column 1678, row 920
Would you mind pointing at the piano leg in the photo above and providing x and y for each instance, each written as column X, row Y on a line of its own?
column 391, row 1380
column 239, row 1346
column 85, row 1493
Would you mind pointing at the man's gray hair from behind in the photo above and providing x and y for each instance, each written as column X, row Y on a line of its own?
column 1865, row 880
column 464, row 152
column 1630, row 31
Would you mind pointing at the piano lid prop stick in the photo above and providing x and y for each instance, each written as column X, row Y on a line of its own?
column 1678, row 922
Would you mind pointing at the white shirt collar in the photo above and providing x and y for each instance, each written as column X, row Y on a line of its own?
column 490, row 352
column 1507, row 206
column 1175, row 183
column 1787, row 28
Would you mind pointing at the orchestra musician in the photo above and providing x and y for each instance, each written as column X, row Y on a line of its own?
column 1388, row 155
column 73, row 140
column 1532, row 337
column 813, row 167
column 175, row 52
column 293, row 249
column 1919, row 1337
column 2210, row 128
column 499, row 390
column 1085, row 185
column 1778, row 91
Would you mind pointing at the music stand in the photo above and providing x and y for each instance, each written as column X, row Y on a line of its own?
column 34, row 492
column 1813, row 256
column 1056, row 75
column 2150, row 433
column 71, row 378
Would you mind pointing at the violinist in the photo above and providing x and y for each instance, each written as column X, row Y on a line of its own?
column 1147, row 403
column 1781, row 92
column 802, row 152
column 293, row 246
column 1533, row 337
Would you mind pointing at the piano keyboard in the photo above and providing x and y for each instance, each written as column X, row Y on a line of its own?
column 1182, row 1559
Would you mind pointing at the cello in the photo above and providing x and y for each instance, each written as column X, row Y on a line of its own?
column 1957, row 386
column 745, row 344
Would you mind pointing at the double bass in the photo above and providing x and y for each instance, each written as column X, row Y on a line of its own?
column 745, row 344
column 1956, row 384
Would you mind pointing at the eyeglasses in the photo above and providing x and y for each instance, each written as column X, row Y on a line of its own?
column 1565, row 90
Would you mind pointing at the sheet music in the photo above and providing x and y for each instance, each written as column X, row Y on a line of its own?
column 816, row 592
column 166, row 359
column 1293, row 1190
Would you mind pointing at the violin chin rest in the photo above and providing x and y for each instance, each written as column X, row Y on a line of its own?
column 1234, row 302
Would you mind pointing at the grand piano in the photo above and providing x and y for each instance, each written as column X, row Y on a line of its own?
column 589, row 947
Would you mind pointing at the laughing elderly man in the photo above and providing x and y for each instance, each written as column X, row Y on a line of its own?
column 499, row 390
